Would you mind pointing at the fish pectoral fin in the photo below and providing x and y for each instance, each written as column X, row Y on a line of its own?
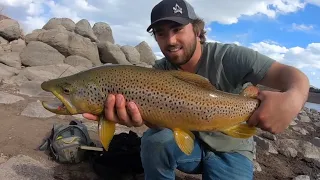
column 250, row 91
column 193, row 79
column 184, row 140
column 106, row 131
column 240, row 131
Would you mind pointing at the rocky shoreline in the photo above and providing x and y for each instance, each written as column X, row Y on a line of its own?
column 63, row 47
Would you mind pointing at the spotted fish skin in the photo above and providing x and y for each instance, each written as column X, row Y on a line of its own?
column 172, row 99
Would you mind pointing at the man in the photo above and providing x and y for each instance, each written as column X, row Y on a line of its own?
column 181, row 37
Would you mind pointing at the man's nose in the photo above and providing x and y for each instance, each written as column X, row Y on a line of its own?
column 171, row 39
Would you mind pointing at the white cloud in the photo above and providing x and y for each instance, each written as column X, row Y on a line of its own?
column 302, row 27
column 299, row 57
column 273, row 50
column 306, row 59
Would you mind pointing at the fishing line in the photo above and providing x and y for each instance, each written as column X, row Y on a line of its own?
column 64, row 71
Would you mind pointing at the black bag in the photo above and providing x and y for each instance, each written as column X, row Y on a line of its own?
column 121, row 161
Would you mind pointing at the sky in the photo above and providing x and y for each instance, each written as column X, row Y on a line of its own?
column 286, row 30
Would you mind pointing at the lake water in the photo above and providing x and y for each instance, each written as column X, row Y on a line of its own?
column 313, row 105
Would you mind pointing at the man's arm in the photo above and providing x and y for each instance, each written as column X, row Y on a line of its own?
column 278, row 109
column 287, row 79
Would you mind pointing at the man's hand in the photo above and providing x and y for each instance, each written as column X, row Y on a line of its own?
column 276, row 111
column 117, row 110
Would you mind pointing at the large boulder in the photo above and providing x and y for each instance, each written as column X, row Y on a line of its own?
column 60, row 23
column 112, row 53
column 84, row 29
column 11, row 59
column 77, row 61
column 39, row 54
column 131, row 54
column 69, row 43
column 103, row 32
column 10, row 29
column 146, row 54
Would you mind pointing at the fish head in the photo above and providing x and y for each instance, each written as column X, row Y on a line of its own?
column 75, row 95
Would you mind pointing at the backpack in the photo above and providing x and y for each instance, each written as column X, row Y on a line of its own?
column 63, row 144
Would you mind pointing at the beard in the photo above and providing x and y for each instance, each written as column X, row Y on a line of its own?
column 188, row 52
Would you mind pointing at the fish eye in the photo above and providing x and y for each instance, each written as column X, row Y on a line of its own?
column 66, row 90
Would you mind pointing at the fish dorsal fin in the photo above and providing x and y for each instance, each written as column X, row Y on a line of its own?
column 250, row 91
column 193, row 79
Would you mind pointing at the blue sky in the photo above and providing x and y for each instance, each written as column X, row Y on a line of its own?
column 288, row 31
column 260, row 28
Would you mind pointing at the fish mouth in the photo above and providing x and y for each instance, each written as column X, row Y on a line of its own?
column 61, row 104
column 56, row 106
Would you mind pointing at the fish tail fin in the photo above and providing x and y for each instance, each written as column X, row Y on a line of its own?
column 184, row 140
column 250, row 91
column 240, row 131
column 106, row 131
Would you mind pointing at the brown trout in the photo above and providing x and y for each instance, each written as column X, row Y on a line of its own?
column 180, row 101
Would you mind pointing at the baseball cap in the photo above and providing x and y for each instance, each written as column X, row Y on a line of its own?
column 179, row 11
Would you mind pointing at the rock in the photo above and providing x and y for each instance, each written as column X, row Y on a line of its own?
column 2, row 160
column 70, row 43
column 146, row 53
column 316, row 141
column 33, row 89
column 40, row 54
column 3, row 41
column 34, row 35
column 131, row 54
column 268, row 135
column 75, row 60
column 111, row 53
column 17, row 45
column 294, row 122
column 84, row 29
column 11, row 59
column 6, row 98
column 302, row 177
column 16, row 80
column 304, row 118
column 5, row 48
column 288, row 152
column 313, row 111
column 300, row 130
column 44, row 73
column 265, row 145
column 23, row 167
column 36, row 110
column 7, row 71
column 306, row 149
column 103, row 32
column 10, row 29
column 257, row 166
column 57, row 23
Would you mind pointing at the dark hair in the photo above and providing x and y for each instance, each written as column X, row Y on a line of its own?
column 198, row 28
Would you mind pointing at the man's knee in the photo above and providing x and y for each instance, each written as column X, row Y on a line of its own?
column 156, row 140
column 157, row 145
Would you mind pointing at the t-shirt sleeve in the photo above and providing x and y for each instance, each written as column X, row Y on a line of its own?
column 159, row 64
column 242, row 64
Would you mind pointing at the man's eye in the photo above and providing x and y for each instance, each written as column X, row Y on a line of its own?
column 177, row 29
column 159, row 34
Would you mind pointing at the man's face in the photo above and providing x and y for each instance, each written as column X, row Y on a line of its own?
column 176, row 42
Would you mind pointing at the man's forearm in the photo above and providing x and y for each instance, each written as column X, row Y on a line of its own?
column 288, row 79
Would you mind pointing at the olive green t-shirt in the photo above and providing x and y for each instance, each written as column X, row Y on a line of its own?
column 228, row 67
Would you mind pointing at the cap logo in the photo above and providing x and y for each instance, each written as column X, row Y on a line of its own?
column 177, row 9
